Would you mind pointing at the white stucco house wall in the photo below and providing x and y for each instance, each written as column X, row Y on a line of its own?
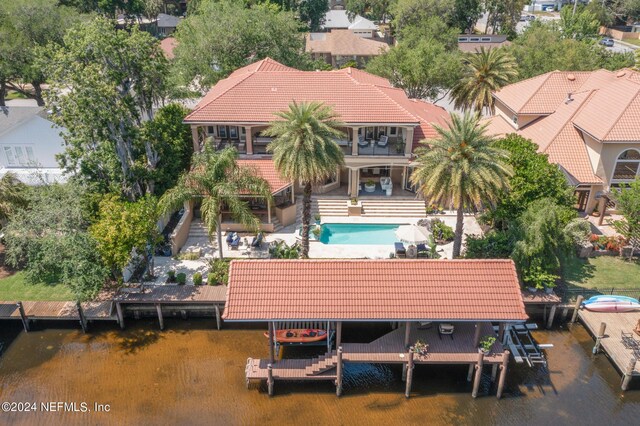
column 29, row 143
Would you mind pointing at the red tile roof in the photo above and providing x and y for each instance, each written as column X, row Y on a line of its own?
column 254, row 93
column 374, row 290
column 266, row 170
column 344, row 43
column 167, row 45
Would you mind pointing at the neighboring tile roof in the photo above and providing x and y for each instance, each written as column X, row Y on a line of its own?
column 167, row 45
column 254, row 93
column 603, row 104
column 266, row 170
column 374, row 290
column 344, row 43
column 469, row 47
column 340, row 19
column 11, row 117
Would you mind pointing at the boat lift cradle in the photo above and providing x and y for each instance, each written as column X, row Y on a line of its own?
column 523, row 346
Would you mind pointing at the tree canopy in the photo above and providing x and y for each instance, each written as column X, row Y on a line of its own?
column 628, row 202
column 104, row 84
column 50, row 240
column 219, row 37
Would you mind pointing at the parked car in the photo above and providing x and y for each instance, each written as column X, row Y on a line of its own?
column 607, row 42
column 550, row 9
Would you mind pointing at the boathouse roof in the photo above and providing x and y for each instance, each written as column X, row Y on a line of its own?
column 374, row 290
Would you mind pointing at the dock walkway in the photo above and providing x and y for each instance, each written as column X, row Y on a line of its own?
column 611, row 340
column 40, row 310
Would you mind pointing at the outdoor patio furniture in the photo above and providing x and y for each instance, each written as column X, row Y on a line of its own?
column 370, row 187
column 446, row 329
column 257, row 240
column 389, row 191
column 235, row 243
column 361, row 142
column 629, row 341
column 385, row 182
column 400, row 250
column 230, row 236
column 423, row 251
column 383, row 141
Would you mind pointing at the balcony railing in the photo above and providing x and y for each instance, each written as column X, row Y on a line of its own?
column 240, row 145
column 395, row 148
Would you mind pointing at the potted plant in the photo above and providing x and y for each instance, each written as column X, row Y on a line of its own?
column 421, row 347
column 354, row 201
column 317, row 217
column 197, row 278
column 181, row 278
column 316, row 232
column 171, row 274
column 486, row 343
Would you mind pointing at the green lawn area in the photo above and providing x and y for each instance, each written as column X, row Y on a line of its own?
column 16, row 288
column 633, row 41
column 14, row 95
column 604, row 272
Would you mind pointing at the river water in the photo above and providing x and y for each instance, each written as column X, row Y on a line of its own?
column 194, row 374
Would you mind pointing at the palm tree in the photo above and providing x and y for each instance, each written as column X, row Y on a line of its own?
column 216, row 178
column 461, row 167
column 304, row 150
column 485, row 71
column 12, row 195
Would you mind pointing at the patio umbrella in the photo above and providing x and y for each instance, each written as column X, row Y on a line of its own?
column 413, row 234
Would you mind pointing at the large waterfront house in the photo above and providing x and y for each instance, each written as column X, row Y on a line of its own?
column 586, row 122
column 382, row 126
column 29, row 143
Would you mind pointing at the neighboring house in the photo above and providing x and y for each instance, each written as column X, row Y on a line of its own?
column 168, row 45
column 341, row 46
column 587, row 122
column 166, row 24
column 339, row 20
column 382, row 126
column 29, row 143
column 473, row 43
column 337, row 4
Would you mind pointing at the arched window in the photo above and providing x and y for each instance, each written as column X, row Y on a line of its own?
column 627, row 166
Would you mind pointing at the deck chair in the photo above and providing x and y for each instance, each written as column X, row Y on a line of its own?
column 230, row 236
column 446, row 329
column 257, row 240
column 423, row 251
column 235, row 243
column 400, row 250
column 362, row 142
column 383, row 141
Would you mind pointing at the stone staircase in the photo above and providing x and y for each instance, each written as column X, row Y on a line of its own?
column 391, row 207
column 198, row 230
column 322, row 363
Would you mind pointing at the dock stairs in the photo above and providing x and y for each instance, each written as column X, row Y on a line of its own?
column 524, row 347
column 322, row 363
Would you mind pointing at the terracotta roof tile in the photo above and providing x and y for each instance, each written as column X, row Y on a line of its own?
column 344, row 43
column 168, row 45
column 266, row 170
column 374, row 290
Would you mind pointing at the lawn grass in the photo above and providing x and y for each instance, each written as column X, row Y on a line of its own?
column 16, row 288
column 14, row 95
column 604, row 272
column 633, row 41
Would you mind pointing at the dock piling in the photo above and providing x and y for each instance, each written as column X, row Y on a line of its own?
column 270, row 379
column 503, row 374
column 23, row 317
column 599, row 337
column 576, row 309
column 160, row 318
column 476, row 381
column 271, row 339
column 628, row 374
column 339, row 372
column 552, row 314
column 218, row 319
column 494, row 372
column 83, row 319
column 120, row 315
column 476, row 336
column 407, row 334
column 407, row 390
column 470, row 373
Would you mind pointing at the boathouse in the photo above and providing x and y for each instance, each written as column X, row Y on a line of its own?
column 449, row 304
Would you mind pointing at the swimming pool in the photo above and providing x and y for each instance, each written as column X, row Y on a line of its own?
column 359, row 233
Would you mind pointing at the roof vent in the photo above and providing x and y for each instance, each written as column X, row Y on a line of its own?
column 621, row 73
column 569, row 98
column 571, row 77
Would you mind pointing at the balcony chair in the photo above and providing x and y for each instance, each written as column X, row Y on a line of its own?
column 361, row 142
column 383, row 141
column 446, row 329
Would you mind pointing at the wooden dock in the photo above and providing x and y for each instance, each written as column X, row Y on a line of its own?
column 29, row 311
column 607, row 328
column 458, row 348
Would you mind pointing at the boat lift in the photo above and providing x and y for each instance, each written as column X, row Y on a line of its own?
column 523, row 347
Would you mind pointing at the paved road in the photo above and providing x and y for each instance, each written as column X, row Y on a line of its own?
column 619, row 47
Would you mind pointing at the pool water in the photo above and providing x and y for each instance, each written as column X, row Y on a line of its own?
column 363, row 233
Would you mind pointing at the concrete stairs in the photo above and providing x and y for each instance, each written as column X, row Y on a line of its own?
column 198, row 230
column 329, row 207
column 322, row 363
column 393, row 208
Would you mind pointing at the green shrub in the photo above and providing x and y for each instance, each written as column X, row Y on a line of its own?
column 197, row 278
column 441, row 231
column 188, row 256
column 218, row 272
column 492, row 245
column 172, row 275
column 181, row 278
column 281, row 250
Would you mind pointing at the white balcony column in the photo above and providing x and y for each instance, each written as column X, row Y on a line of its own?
column 268, row 211
column 196, row 138
column 408, row 141
column 354, row 141
column 248, row 140
column 355, row 181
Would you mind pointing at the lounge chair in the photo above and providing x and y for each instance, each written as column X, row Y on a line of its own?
column 423, row 251
column 446, row 329
column 257, row 240
column 235, row 243
column 361, row 142
column 383, row 141
column 230, row 236
column 400, row 250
